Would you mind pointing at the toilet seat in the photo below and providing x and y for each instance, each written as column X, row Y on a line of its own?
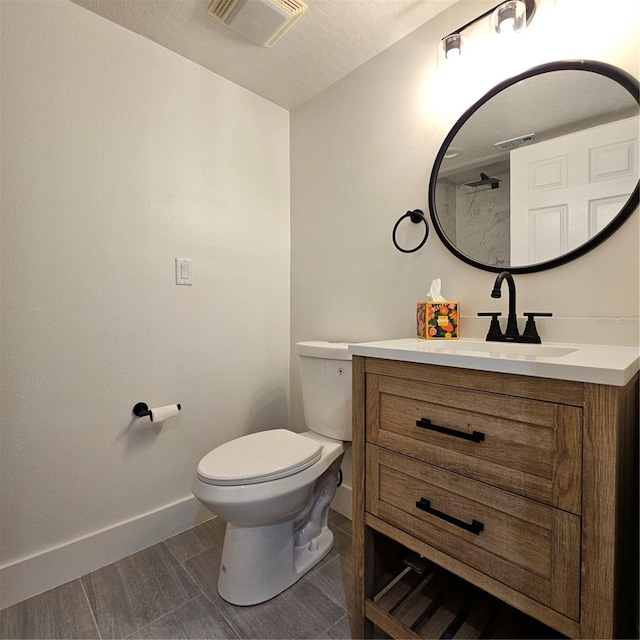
column 259, row 457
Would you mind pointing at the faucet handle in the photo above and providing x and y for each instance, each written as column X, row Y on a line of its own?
column 495, row 332
column 530, row 329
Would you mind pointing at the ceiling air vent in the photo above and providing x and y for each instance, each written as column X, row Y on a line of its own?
column 514, row 143
column 263, row 21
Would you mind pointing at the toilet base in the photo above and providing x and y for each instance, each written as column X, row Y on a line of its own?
column 258, row 563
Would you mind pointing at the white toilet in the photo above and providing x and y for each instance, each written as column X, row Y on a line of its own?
column 274, row 487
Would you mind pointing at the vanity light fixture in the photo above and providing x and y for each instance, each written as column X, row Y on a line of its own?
column 510, row 17
column 507, row 17
column 452, row 45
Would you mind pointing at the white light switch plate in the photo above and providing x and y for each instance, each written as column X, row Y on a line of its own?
column 183, row 272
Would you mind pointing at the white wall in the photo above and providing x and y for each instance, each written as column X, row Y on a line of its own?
column 361, row 156
column 117, row 157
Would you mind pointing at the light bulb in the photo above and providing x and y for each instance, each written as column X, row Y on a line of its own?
column 507, row 25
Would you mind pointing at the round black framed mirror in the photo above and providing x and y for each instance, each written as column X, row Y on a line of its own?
column 540, row 170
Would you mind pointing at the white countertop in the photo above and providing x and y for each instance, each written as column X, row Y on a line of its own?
column 612, row 365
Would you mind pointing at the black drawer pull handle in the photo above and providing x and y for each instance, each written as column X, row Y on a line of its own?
column 475, row 527
column 476, row 436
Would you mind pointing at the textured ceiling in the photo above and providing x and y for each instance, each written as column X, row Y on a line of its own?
column 539, row 105
column 330, row 40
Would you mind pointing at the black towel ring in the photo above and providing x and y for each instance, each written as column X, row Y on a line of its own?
column 416, row 216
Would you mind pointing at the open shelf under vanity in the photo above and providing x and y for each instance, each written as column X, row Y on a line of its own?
column 423, row 600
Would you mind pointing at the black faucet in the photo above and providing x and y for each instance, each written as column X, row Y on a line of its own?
column 512, row 333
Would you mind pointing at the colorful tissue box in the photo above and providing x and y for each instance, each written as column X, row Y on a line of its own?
column 438, row 320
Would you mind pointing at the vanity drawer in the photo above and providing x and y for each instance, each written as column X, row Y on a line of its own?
column 528, row 546
column 530, row 447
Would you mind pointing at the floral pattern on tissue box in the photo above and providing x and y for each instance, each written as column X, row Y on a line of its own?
column 438, row 320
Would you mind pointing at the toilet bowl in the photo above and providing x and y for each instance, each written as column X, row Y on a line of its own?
column 274, row 487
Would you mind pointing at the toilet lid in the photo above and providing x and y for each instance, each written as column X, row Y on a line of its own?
column 259, row 457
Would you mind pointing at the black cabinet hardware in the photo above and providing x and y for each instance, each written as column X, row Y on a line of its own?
column 475, row 436
column 475, row 527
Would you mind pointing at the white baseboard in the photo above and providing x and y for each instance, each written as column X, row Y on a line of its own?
column 29, row 576
column 342, row 501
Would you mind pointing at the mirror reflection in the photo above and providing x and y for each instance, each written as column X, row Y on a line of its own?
column 538, row 170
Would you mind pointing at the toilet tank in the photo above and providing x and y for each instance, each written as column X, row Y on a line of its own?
column 325, row 374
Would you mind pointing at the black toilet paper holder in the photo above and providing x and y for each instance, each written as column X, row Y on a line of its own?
column 141, row 409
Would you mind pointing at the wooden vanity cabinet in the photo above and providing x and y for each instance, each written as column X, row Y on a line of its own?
column 522, row 489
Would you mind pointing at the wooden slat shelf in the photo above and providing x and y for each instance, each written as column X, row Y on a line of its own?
column 438, row 604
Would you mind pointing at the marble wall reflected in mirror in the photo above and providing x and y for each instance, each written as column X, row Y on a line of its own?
column 541, row 169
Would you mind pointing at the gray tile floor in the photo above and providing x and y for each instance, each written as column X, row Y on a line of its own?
column 169, row 591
